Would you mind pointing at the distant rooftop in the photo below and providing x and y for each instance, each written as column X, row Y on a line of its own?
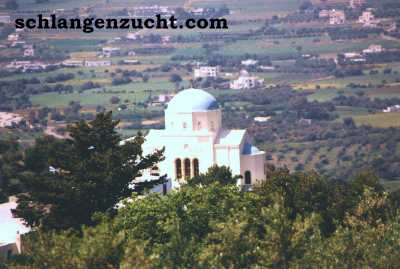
column 10, row 226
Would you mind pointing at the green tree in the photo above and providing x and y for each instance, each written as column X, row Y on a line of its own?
column 220, row 226
column 89, row 172
column 221, row 174
column 10, row 166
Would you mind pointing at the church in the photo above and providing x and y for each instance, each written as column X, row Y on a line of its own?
column 195, row 140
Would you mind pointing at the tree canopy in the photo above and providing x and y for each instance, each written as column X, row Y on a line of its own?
column 280, row 224
column 67, row 181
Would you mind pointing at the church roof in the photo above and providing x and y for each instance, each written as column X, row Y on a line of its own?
column 249, row 149
column 230, row 137
column 192, row 100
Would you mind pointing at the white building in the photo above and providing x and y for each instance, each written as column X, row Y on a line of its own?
column 13, row 37
column 17, row 64
column 194, row 140
column 206, row 72
column 166, row 39
column 8, row 119
column 73, row 63
column 97, row 63
column 111, row 51
column 245, row 81
column 262, row 119
column 11, row 230
column 164, row 98
column 249, row 62
column 395, row 108
column 132, row 36
column 337, row 17
column 374, row 49
column 367, row 19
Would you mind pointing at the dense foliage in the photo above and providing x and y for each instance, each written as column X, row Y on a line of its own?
column 66, row 181
column 291, row 221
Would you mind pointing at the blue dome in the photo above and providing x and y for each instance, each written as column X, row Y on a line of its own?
column 192, row 100
column 249, row 149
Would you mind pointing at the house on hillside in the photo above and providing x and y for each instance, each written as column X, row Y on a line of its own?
column 245, row 81
column 337, row 17
column 206, row 72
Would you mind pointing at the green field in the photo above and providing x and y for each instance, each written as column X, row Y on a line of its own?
column 379, row 120
column 134, row 92
column 309, row 46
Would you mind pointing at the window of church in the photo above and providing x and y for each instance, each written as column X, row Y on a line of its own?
column 187, row 168
column 195, row 167
column 184, row 125
column 247, row 178
column 199, row 125
column 178, row 168
column 212, row 127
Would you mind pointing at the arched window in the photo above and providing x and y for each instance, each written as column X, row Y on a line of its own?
column 199, row 125
column 178, row 168
column 212, row 127
column 184, row 125
column 187, row 168
column 247, row 178
column 195, row 167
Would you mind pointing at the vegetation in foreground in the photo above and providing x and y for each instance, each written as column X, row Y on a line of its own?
column 300, row 220
column 291, row 221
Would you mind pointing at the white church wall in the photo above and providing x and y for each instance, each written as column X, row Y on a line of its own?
column 228, row 156
column 254, row 164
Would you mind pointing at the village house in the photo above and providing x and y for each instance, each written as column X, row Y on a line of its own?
column 197, row 11
column 13, row 37
column 267, row 67
column 165, row 98
column 262, row 119
column 245, row 81
column 110, row 51
column 389, row 26
column 249, row 62
column 132, row 36
column 367, row 19
column 26, row 66
column 17, row 64
column 337, row 17
column 92, row 63
column 374, row 49
column 9, row 119
column 130, row 62
column 73, row 63
column 206, row 72
column 36, row 66
column 395, row 108
column 165, row 39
